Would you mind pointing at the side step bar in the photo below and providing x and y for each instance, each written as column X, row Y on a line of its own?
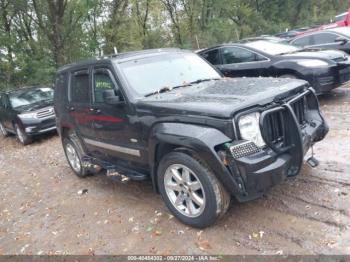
column 115, row 172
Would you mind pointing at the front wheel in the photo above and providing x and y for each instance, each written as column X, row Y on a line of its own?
column 190, row 190
column 22, row 136
column 3, row 131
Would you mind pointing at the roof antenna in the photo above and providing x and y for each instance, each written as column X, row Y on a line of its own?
column 115, row 50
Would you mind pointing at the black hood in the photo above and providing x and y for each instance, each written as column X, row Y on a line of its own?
column 221, row 98
column 334, row 55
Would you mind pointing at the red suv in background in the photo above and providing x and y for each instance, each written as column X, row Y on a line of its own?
column 339, row 21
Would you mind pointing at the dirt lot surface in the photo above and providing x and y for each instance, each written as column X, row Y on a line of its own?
column 42, row 213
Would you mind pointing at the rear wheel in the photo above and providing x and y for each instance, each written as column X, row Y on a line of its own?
column 22, row 136
column 3, row 131
column 74, row 154
column 190, row 190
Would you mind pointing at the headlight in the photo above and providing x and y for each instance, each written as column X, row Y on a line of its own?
column 312, row 63
column 27, row 115
column 250, row 129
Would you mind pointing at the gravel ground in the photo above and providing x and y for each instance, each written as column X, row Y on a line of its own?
column 42, row 213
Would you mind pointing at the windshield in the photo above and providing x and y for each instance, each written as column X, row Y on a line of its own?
column 27, row 97
column 151, row 74
column 273, row 48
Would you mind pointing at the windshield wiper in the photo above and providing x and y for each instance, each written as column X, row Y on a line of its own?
column 203, row 80
column 162, row 90
column 166, row 89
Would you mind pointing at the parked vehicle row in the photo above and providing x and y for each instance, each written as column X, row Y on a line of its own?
column 323, row 69
column 337, row 38
column 339, row 21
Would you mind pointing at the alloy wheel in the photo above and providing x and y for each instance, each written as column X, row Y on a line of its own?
column 2, row 129
column 73, row 158
column 184, row 190
column 20, row 134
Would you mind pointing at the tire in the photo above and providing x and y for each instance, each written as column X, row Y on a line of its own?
column 3, row 131
column 288, row 76
column 214, row 198
column 22, row 137
column 74, row 151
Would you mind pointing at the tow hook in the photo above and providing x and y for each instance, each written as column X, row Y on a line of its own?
column 312, row 161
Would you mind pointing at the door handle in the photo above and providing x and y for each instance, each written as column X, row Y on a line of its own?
column 97, row 126
column 70, row 108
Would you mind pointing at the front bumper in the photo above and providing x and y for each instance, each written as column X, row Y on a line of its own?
column 324, row 80
column 33, row 127
column 270, row 165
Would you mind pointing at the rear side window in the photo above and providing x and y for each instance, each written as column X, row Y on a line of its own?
column 303, row 41
column 234, row 55
column 213, row 57
column 324, row 38
column 60, row 86
column 79, row 87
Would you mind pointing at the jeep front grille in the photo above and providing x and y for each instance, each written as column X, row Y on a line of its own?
column 276, row 121
column 46, row 112
column 299, row 108
column 275, row 128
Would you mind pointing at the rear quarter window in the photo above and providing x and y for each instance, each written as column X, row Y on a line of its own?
column 60, row 87
column 212, row 56
column 79, row 87
column 325, row 38
column 302, row 41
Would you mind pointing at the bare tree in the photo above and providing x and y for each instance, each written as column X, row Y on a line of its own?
column 58, row 23
column 142, row 13
column 172, row 8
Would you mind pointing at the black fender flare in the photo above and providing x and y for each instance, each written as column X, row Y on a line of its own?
column 200, row 140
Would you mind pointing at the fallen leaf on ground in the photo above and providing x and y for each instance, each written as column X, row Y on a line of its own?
column 158, row 232
column 24, row 248
column 261, row 233
column 82, row 191
column 203, row 245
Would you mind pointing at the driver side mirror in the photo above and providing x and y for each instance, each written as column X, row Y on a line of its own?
column 111, row 98
column 341, row 40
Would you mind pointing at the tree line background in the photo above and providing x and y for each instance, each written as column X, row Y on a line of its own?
column 38, row 36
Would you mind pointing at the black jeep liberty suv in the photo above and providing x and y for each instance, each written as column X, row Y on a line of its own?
column 168, row 116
